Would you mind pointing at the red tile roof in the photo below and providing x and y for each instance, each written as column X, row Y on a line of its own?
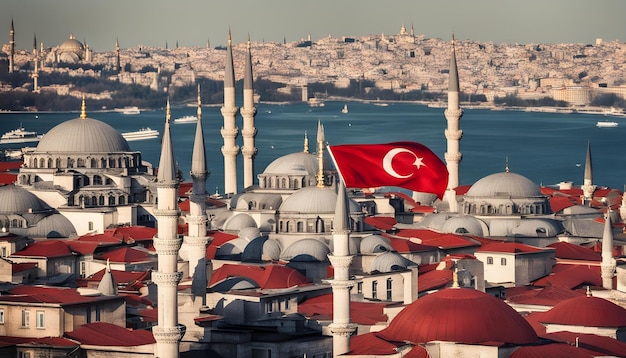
column 107, row 334
column 586, row 311
column 83, row 247
column 434, row 279
column 459, row 315
column 406, row 246
column 547, row 296
column 371, row 345
column 267, row 276
column 433, row 238
column 571, row 276
column 558, row 203
column 57, row 295
column 381, row 222
column 46, row 248
column 132, row 234
column 554, row 350
column 602, row 344
column 219, row 238
column 120, row 277
column 101, row 238
column 366, row 313
column 509, row 248
column 20, row 267
column 127, row 255
column 566, row 250
column 44, row 341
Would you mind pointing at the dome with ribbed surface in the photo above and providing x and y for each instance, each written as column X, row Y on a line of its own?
column 459, row 315
column 311, row 200
column 586, row 311
column 294, row 163
column 83, row 135
column 504, row 184
column 309, row 250
column 17, row 200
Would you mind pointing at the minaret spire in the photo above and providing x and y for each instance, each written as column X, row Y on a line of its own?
column 341, row 327
column 306, row 143
column 118, row 63
column 196, row 240
column 248, row 112
column 11, row 47
column 588, row 188
column 607, row 267
column 320, row 154
column 453, row 134
column 168, row 332
column 83, row 109
column 229, row 130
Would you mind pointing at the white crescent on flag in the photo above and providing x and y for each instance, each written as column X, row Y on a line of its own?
column 388, row 167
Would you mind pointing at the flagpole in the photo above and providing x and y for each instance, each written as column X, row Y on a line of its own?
column 336, row 166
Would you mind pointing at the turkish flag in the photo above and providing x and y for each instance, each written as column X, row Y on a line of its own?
column 406, row 165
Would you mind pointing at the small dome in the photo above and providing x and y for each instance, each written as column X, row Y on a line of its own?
column 238, row 222
column 53, row 226
column 538, row 228
column 433, row 221
column 17, row 200
column 311, row 200
column 389, row 262
column 375, row 243
column 294, row 163
column 308, row 250
column 83, row 135
column 586, row 311
column 459, row 315
column 504, row 185
column 465, row 225
column 249, row 233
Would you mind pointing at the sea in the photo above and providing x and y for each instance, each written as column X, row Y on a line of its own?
column 547, row 148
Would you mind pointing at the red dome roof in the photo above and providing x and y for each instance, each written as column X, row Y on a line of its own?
column 587, row 311
column 459, row 315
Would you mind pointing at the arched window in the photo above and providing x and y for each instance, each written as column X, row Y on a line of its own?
column 112, row 163
column 283, row 183
column 101, row 200
column 300, row 226
column 49, row 163
column 70, row 163
column 80, row 163
column 121, row 200
column 97, row 180
column 93, row 162
column 57, row 163
column 111, row 200
column 103, row 163
column 94, row 201
column 42, row 163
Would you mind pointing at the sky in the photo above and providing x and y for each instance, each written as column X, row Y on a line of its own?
column 193, row 23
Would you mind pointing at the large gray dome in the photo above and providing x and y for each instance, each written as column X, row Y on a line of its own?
column 83, row 135
column 311, row 200
column 504, row 185
column 17, row 200
column 294, row 163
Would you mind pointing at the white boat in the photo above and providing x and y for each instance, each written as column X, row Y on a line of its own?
column 186, row 119
column 130, row 110
column 344, row 109
column 20, row 135
column 143, row 133
column 606, row 124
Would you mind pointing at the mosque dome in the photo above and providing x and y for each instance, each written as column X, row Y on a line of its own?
column 504, row 184
column 465, row 225
column 72, row 45
column 374, row 244
column 17, row 200
column 309, row 250
column 294, row 163
column 311, row 199
column 459, row 315
column 586, row 311
column 53, row 226
column 238, row 222
column 83, row 135
column 390, row 261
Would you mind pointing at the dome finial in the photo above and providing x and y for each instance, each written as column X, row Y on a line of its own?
column 306, row 142
column 506, row 165
column 589, row 291
column 83, row 109
column 320, row 154
column 230, row 39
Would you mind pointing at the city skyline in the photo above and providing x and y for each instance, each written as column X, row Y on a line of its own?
column 193, row 23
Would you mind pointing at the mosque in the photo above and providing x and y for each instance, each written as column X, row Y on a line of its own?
column 299, row 225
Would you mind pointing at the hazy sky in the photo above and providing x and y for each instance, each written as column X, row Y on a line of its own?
column 194, row 22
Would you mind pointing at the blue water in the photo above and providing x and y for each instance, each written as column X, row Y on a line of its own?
column 547, row 148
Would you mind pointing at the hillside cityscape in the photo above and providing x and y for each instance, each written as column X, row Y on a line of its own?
column 402, row 67
column 355, row 249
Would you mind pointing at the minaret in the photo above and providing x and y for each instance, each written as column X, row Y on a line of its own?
column 248, row 111
column 229, row 130
column 588, row 188
column 453, row 134
column 341, row 327
column 11, row 47
column 118, row 64
column 36, row 77
column 35, row 45
column 196, row 240
column 306, row 143
column 607, row 267
column 168, row 332
column 83, row 109
column 320, row 155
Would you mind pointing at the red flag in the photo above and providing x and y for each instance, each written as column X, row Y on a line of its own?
column 407, row 165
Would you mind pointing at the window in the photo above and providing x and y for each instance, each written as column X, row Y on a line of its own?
column 1, row 315
column 359, row 287
column 24, row 355
column 489, row 260
column 286, row 303
column 25, row 318
column 269, row 307
column 88, row 315
column 90, row 225
column 97, row 313
column 389, row 284
column 374, row 288
column 41, row 322
column 503, row 261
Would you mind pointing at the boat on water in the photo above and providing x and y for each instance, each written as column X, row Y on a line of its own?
column 130, row 110
column 186, row 119
column 606, row 124
column 316, row 102
column 143, row 133
column 344, row 109
column 20, row 135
